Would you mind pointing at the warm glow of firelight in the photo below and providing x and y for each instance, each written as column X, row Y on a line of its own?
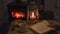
column 17, row 14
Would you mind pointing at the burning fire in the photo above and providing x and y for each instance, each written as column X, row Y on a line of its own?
column 17, row 14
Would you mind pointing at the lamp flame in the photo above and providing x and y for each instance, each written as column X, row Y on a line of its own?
column 32, row 15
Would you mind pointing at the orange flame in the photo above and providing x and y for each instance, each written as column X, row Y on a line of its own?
column 17, row 14
column 32, row 15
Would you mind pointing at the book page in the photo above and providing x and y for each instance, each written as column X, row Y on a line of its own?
column 41, row 27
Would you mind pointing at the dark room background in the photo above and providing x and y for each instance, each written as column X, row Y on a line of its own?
column 49, row 5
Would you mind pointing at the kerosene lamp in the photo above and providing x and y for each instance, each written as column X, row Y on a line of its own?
column 33, row 14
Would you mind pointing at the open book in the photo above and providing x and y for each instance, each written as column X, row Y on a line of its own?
column 41, row 27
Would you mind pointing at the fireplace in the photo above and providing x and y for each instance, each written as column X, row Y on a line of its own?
column 17, row 10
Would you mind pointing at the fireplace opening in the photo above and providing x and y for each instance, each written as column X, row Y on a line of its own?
column 17, row 14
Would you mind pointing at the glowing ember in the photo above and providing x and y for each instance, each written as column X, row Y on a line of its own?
column 17, row 14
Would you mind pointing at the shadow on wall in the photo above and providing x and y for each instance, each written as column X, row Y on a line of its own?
column 48, row 15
